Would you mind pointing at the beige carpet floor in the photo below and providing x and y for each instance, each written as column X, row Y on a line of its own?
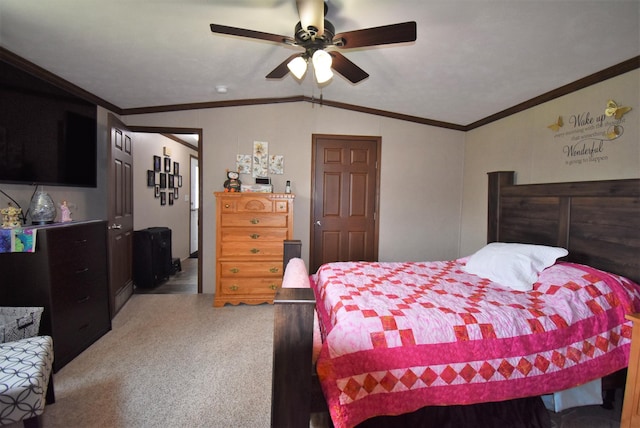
column 172, row 360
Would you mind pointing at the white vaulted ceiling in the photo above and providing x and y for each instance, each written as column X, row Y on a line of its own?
column 471, row 59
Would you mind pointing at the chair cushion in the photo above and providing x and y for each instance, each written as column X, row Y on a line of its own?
column 25, row 368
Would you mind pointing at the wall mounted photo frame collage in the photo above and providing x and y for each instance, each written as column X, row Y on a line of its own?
column 165, row 179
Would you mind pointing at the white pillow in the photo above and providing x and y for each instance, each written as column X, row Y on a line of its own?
column 515, row 266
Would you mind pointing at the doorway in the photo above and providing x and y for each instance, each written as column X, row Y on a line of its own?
column 194, row 225
column 345, row 181
column 189, row 278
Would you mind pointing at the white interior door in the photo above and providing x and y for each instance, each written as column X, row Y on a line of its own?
column 193, row 231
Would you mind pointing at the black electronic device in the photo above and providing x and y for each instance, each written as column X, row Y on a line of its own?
column 47, row 135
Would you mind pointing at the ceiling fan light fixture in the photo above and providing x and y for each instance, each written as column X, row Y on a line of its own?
column 311, row 14
column 322, row 66
column 298, row 67
column 323, row 76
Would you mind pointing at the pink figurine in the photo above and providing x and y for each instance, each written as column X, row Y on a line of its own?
column 66, row 212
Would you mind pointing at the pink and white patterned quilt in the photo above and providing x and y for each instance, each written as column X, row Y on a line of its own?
column 401, row 336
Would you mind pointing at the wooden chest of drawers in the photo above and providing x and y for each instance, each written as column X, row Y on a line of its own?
column 250, row 230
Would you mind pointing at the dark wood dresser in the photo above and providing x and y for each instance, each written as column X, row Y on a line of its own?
column 67, row 275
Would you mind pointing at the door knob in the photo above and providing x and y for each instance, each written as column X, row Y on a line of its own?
column 318, row 223
column 115, row 226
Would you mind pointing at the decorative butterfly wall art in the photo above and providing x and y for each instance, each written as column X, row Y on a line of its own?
column 614, row 110
column 614, row 131
column 555, row 127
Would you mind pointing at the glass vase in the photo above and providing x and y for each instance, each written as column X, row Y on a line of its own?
column 42, row 208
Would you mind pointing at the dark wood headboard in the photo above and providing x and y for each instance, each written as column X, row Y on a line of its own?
column 598, row 222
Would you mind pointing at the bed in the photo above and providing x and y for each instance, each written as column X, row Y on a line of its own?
column 598, row 222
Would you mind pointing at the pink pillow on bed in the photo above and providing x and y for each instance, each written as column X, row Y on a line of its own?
column 515, row 266
column 295, row 275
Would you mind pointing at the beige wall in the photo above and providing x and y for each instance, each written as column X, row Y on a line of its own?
column 425, row 211
column 421, row 175
column 524, row 143
column 146, row 207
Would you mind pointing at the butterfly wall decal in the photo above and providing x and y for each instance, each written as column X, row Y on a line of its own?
column 614, row 132
column 614, row 110
column 555, row 127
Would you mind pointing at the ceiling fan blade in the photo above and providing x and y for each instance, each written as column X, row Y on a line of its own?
column 347, row 68
column 241, row 32
column 387, row 34
column 281, row 70
column 311, row 14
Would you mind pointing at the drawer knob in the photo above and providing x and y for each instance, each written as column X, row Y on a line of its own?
column 234, row 270
column 255, row 250
column 254, row 236
column 227, row 206
column 234, row 288
column 255, row 221
column 274, row 270
column 273, row 286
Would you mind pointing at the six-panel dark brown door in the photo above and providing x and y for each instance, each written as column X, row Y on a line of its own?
column 120, row 187
column 344, row 201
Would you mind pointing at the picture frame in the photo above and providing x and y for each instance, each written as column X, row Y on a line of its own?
column 156, row 163
column 163, row 198
column 172, row 181
column 179, row 181
column 156, row 191
column 167, row 164
column 170, row 198
column 175, row 193
column 176, row 168
column 163, row 180
column 151, row 178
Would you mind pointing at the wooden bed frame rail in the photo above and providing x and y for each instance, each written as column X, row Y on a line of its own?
column 295, row 386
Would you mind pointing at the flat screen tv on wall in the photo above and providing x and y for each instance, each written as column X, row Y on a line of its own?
column 47, row 135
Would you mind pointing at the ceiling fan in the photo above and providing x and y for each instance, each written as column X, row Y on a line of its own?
column 315, row 35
